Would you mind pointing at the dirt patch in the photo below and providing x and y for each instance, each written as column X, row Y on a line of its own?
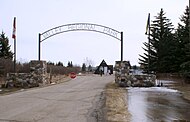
column 116, row 106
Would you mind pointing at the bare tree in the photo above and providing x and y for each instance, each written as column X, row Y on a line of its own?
column 88, row 62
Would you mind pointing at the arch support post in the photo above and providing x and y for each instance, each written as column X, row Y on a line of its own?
column 121, row 46
column 80, row 27
column 39, row 47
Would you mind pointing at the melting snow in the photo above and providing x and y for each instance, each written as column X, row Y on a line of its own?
column 154, row 89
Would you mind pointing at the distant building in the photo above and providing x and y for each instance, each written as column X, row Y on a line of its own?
column 106, row 69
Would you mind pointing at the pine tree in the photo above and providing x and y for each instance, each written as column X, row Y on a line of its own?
column 84, row 67
column 161, row 53
column 50, row 63
column 90, row 68
column 5, row 47
column 69, row 64
column 59, row 64
column 182, row 35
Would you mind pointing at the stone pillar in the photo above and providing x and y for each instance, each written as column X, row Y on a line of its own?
column 39, row 70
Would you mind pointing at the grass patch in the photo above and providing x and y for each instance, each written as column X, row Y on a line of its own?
column 116, row 105
column 185, row 90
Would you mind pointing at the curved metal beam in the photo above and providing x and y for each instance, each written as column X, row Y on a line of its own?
column 80, row 27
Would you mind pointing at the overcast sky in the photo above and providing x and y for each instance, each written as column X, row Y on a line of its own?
column 37, row 16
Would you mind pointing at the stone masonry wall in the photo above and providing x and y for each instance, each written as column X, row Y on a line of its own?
column 38, row 76
column 143, row 80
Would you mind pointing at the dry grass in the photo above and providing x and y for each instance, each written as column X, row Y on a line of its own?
column 117, row 109
column 6, row 91
column 179, row 84
column 185, row 90
column 59, row 78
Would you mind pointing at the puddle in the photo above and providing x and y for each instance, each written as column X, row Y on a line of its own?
column 157, row 104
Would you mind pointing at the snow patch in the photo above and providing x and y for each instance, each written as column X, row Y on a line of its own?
column 152, row 89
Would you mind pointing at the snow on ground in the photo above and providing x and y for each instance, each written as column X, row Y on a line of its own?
column 153, row 89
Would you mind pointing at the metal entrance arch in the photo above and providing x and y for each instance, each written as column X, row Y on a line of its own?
column 80, row 27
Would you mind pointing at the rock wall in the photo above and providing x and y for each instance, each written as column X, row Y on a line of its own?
column 144, row 80
column 38, row 76
column 39, row 70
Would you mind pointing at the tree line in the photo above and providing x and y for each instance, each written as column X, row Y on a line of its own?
column 168, row 48
column 6, row 62
column 7, row 66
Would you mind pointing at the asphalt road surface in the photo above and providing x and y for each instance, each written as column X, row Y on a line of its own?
column 73, row 101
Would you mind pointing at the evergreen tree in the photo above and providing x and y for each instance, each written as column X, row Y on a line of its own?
column 84, row 67
column 5, row 47
column 50, row 63
column 69, row 64
column 162, row 52
column 182, row 35
column 90, row 68
column 59, row 64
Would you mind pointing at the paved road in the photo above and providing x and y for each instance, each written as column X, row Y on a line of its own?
column 67, row 102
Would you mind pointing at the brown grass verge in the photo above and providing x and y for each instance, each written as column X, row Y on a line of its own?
column 185, row 90
column 116, row 106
